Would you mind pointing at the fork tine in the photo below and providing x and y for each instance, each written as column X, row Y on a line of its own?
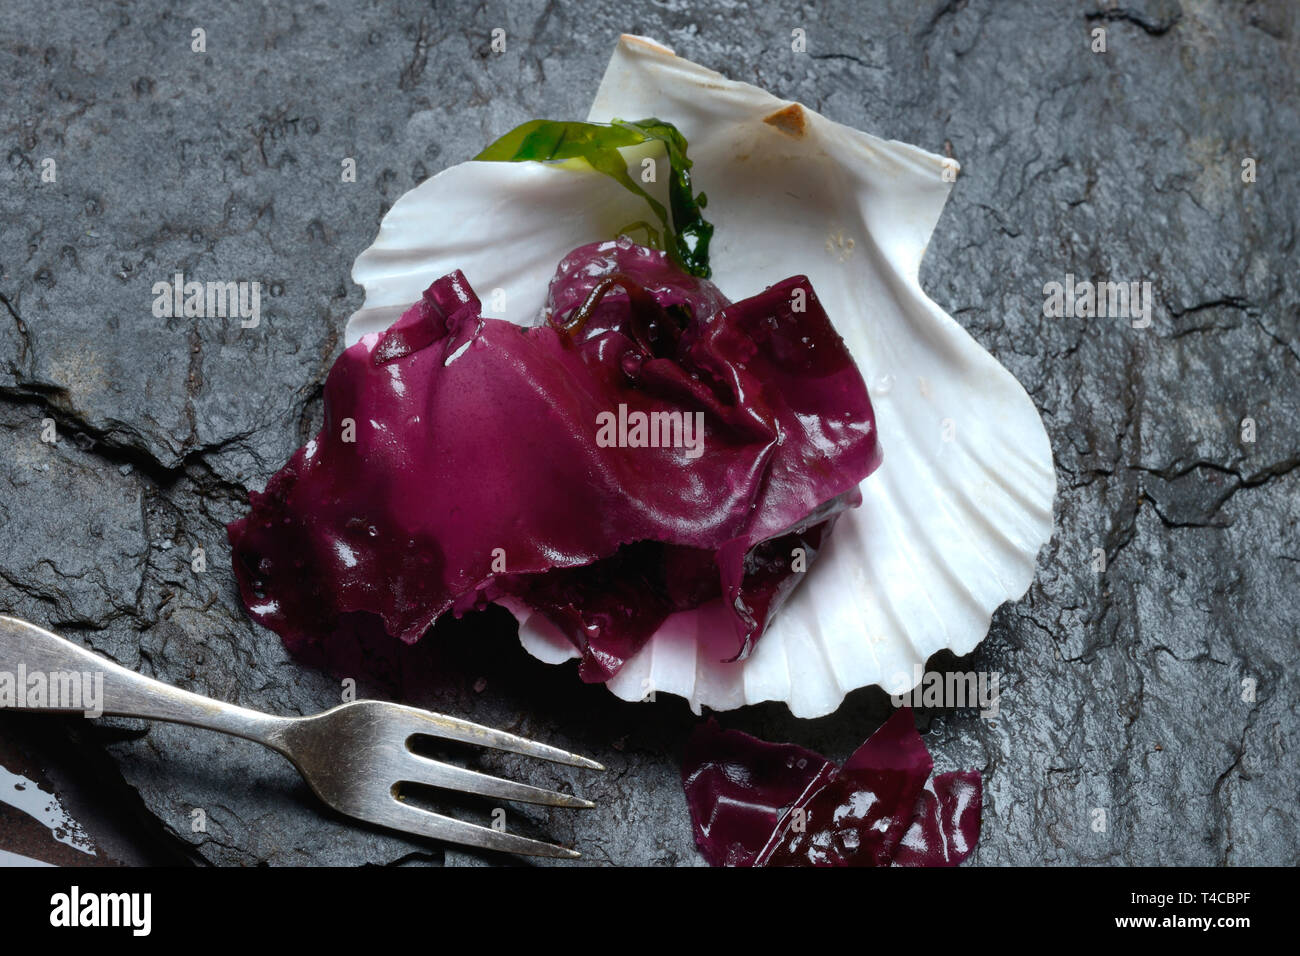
column 435, row 773
column 465, row 732
column 412, row 819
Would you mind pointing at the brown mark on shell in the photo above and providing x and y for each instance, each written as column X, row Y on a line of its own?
column 789, row 120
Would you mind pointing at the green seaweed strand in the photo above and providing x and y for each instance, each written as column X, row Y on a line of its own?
column 686, row 231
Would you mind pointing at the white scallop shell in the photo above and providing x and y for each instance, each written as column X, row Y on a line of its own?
column 952, row 522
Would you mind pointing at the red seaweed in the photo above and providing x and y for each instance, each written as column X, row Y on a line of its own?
column 755, row 803
column 646, row 449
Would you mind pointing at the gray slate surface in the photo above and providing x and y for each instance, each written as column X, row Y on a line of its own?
column 1121, row 690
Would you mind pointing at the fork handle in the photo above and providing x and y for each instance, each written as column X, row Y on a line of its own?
column 28, row 653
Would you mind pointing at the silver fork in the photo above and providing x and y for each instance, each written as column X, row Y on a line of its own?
column 354, row 756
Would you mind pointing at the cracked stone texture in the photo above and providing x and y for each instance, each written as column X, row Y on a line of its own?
column 1127, row 691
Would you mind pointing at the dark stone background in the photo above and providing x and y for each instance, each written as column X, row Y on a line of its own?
column 1120, row 690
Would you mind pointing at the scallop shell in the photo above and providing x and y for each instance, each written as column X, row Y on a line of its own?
column 952, row 522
